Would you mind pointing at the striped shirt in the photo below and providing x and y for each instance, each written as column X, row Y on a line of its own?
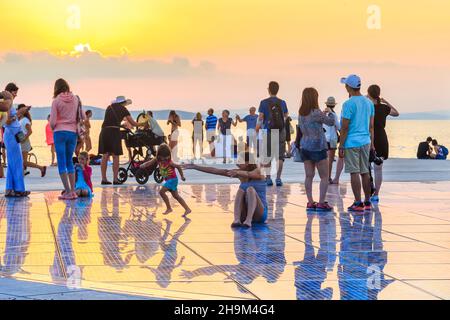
column 211, row 122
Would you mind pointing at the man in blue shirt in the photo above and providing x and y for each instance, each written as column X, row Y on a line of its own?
column 210, row 126
column 357, row 141
column 251, row 120
column 272, row 118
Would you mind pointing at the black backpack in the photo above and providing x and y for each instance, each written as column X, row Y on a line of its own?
column 276, row 120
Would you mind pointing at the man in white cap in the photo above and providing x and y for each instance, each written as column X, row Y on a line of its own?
column 357, row 141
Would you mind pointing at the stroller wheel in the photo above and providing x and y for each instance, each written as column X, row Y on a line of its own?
column 141, row 177
column 122, row 175
column 157, row 176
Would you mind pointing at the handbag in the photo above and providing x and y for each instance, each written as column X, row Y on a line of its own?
column 81, row 127
column 297, row 155
column 20, row 137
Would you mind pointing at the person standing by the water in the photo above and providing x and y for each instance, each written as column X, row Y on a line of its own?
column 331, row 134
column 50, row 141
column 210, row 126
column 175, row 123
column 197, row 134
column 110, row 140
column 273, row 112
column 383, row 109
column 357, row 140
column 224, row 127
column 25, row 123
column 251, row 119
column 64, row 121
column 3, row 116
column 289, row 132
column 314, row 146
column 15, row 183
column 87, row 134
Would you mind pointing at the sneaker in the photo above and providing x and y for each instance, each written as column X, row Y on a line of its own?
column 311, row 206
column 279, row 183
column 269, row 182
column 375, row 199
column 325, row 207
column 367, row 205
column 356, row 207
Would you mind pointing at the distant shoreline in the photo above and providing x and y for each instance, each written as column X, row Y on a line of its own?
column 41, row 113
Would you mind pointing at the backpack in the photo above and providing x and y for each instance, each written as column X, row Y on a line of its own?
column 444, row 151
column 276, row 120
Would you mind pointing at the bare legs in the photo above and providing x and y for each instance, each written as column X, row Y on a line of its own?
column 104, row 166
column 356, row 182
column 310, row 168
column 27, row 164
column 331, row 157
column 378, row 178
column 176, row 196
column 248, row 207
column 339, row 168
column 52, row 150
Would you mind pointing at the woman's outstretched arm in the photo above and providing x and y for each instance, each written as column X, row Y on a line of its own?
column 210, row 170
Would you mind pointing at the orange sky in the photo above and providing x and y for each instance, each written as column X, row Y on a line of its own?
column 225, row 51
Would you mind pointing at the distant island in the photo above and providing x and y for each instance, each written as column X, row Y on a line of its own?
column 41, row 113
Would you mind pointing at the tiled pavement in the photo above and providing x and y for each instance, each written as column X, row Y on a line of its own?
column 119, row 245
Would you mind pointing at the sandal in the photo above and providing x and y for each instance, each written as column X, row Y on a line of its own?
column 236, row 225
column 106, row 183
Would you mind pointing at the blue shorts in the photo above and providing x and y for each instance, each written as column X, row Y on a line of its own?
column 171, row 184
column 263, row 218
column 314, row 156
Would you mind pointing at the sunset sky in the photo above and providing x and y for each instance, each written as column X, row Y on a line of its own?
column 193, row 54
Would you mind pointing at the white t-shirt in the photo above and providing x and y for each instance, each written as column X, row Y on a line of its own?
column 23, row 123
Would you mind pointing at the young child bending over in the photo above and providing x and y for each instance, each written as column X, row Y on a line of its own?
column 167, row 170
column 83, row 172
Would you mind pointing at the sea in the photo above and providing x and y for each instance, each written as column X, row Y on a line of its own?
column 404, row 137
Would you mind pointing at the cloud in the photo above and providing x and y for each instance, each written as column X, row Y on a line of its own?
column 86, row 64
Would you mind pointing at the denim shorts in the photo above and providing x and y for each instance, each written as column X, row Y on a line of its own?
column 314, row 156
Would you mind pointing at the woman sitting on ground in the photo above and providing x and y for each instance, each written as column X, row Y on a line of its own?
column 250, row 205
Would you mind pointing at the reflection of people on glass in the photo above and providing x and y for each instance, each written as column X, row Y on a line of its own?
column 17, row 235
column 256, row 254
column 110, row 232
column 197, row 190
column 65, row 258
column 168, row 263
column 361, row 258
column 146, row 233
column 311, row 272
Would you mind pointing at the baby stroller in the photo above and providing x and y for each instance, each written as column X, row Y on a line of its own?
column 137, row 141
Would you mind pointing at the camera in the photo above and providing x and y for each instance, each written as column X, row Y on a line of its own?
column 375, row 158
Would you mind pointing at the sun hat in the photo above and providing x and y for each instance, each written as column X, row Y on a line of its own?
column 122, row 100
column 331, row 101
column 353, row 81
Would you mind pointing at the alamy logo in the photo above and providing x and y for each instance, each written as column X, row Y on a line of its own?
column 374, row 19
column 73, row 21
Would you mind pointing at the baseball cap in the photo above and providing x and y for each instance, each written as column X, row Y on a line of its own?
column 353, row 81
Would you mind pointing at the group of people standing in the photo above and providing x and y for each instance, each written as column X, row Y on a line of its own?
column 66, row 129
column 358, row 135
